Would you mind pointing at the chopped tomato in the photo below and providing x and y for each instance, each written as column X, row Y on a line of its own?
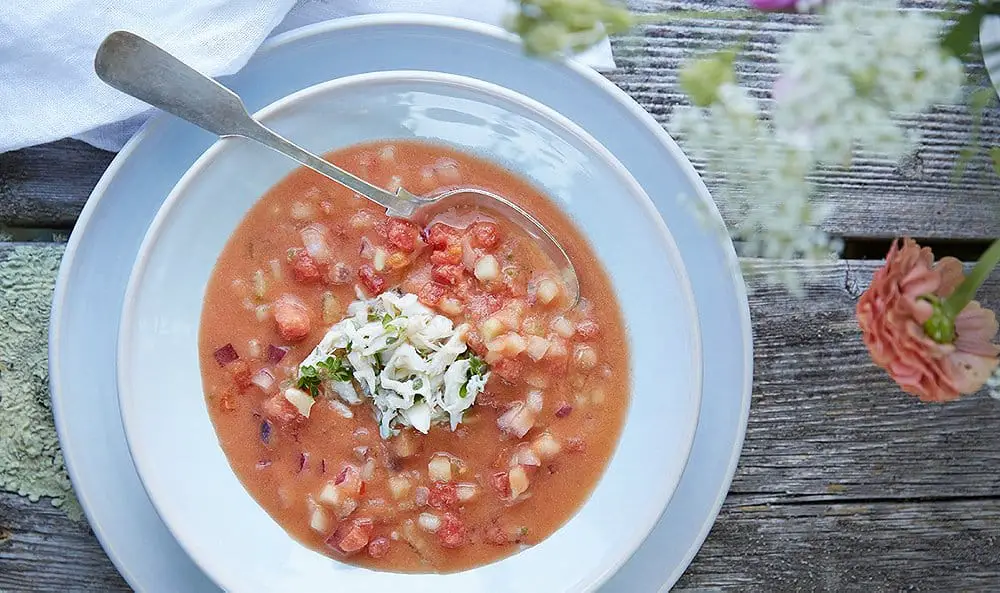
column 452, row 532
column 444, row 495
column 281, row 411
column 484, row 234
column 240, row 372
column 587, row 329
column 378, row 547
column 449, row 255
column 372, row 282
column 402, row 234
column 351, row 536
column 480, row 306
column 449, row 274
column 227, row 399
column 475, row 343
column 431, row 293
column 305, row 268
column 291, row 317
column 576, row 445
column 440, row 236
column 507, row 369
column 501, row 483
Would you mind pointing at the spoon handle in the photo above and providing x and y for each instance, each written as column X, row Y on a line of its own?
column 139, row 68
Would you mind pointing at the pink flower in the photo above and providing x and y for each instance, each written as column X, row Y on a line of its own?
column 892, row 314
column 773, row 5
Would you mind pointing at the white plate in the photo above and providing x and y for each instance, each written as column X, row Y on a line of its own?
column 989, row 37
column 92, row 279
column 170, row 435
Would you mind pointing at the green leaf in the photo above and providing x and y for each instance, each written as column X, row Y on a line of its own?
column 476, row 365
column 964, row 32
column 701, row 79
column 995, row 157
column 309, row 380
column 333, row 368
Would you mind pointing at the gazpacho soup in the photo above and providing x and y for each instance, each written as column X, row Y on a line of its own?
column 405, row 398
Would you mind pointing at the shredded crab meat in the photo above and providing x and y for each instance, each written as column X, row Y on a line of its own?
column 411, row 363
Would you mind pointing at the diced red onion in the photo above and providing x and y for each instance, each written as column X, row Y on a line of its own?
column 275, row 353
column 263, row 463
column 263, row 379
column 361, row 452
column 340, row 273
column 366, row 251
column 468, row 254
column 314, row 239
column 421, row 495
column 265, row 432
column 226, row 355
column 563, row 410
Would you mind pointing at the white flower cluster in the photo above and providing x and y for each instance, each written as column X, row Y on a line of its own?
column 848, row 83
column 844, row 85
column 762, row 181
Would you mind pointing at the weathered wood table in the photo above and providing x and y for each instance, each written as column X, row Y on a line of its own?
column 844, row 483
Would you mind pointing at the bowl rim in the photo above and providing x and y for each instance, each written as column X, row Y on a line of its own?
column 291, row 101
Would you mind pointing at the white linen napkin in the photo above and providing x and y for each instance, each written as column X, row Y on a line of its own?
column 48, row 89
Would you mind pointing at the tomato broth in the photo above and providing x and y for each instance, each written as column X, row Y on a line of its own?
column 526, row 454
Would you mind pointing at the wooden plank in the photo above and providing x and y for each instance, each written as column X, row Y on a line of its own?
column 826, row 420
column 42, row 550
column 882, row 546
column 47, row 185
column 875, row 198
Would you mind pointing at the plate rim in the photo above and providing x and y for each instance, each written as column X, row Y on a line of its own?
column 140, row 268
column 453, row 23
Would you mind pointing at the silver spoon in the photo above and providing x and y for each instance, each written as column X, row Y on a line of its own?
column 139, row 68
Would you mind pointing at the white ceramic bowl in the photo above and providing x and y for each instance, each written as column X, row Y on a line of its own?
column 171, row 438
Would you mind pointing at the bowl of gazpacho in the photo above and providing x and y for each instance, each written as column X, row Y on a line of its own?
column 321, row 397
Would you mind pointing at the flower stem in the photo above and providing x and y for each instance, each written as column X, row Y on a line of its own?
column 954, row 304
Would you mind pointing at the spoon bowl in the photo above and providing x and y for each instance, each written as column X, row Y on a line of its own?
column 137, row 67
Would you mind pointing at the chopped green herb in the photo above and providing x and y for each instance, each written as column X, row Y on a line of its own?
column 463, row 391
column 335, row 369
column 331, row 369
column 387, row 319
column 391, row 340
column 309, row 380
column 523, row 531
column 372, row 316
column 476, row 365
column 418, row 383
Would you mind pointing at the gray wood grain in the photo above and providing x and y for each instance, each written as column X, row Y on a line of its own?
column 875, row 197
column 845, row 483
column 838, row 547
column 42, row 550
column 46, row 186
